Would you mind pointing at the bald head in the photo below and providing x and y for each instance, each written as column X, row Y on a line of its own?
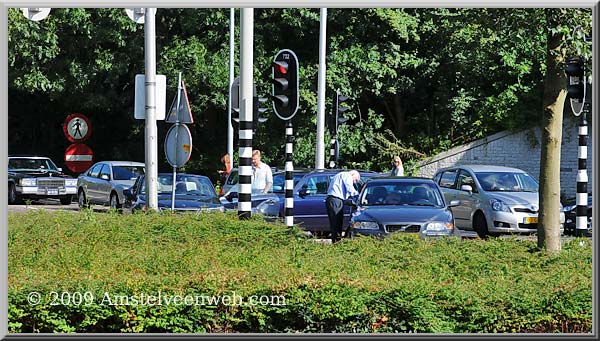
column 355, row 175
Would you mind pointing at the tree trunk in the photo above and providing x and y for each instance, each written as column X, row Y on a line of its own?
column 554, row 99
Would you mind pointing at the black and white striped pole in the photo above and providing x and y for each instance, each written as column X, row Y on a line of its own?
column 246, row 100
column 576, row 93
column 582, row 179
column 332, row 152
column 285, row 104
column 289, row 174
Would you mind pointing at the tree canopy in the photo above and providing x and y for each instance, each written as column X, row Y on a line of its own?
column 420, row 80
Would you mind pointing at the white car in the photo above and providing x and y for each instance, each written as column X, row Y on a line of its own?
column 104, row 182
column 493, row 199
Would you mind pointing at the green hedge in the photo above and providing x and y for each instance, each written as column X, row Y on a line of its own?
column 363, row 285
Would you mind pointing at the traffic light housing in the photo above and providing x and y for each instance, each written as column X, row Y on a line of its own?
column 285, row 84
column 574, row 70
column 259, row 110
column 336, row 118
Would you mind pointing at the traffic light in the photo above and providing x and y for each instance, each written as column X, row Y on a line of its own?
column 259, row 110
column 285, row 84
column 335, row 118
column 576, row 88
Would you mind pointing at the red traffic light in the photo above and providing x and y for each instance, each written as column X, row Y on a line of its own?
column 280, row 66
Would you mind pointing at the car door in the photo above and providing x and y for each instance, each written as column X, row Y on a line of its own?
column 447, row 182
column 91, row 183
column 469, row 201
column 309, row 202
column 104, row 184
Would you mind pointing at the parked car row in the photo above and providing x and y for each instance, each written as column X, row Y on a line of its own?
column 489, row 200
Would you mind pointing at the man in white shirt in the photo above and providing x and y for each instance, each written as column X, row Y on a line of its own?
column 341, row 187
column 262, row 176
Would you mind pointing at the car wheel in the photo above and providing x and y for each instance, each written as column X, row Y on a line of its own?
column 66, row 200
column 82, row 200
column 480, row 225
column 114, row 201
column 13, row 195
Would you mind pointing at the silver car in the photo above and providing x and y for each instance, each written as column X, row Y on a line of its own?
column 104, row 182
column 493, row 199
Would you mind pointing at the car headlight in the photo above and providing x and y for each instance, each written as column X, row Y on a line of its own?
column 499, row 205
column 29, row 182
column 70, row 182
column 365, row 225
column 439, row 226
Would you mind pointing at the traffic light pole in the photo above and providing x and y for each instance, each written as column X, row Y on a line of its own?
column 246, row 108
column 582, row 177
column 289, row 174
column 332, row 152
column 320, row 152
column 231, row 53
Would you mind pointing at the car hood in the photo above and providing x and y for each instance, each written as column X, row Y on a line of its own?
column 34, row 174
column 516, row 197
column 123, row 183
column 395, row 214
column 188, row 201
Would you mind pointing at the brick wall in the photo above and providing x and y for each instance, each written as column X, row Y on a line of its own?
column 520, row 150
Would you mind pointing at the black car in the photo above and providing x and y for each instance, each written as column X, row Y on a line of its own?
column 570, row 210
column 193, row 193
column 388, row 205
column 37, row 177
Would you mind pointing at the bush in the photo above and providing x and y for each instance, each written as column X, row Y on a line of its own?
column 363, row 285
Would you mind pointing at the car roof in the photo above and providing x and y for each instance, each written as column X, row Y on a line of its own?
column 27, row 156
column 123, row 163
column 484, row 168
column 399, row 179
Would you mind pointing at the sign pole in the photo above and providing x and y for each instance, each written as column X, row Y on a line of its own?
column 179, row 88
column 320, row 153
column 151, row 147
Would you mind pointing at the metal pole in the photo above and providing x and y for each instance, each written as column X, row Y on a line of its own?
column 231, row 53
column 582, row 177
column 151, row 146
column 320, row 153
column 246, row 107
column 179, row 88
column 289, row 174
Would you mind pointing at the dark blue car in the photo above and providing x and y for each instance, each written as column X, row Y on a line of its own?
column 309, row 200
column 388, row 205
column 193, row 193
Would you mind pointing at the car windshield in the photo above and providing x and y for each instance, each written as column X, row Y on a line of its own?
column 279, row 181
column 127, row 172
column 184, row 185
column 404, row 193
column 506, row 182
column 31, row 164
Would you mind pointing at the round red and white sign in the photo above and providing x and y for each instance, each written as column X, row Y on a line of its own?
column 77, row 128
column 79, row 157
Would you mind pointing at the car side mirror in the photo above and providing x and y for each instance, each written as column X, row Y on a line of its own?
column 104, row 177
column 466, row 188
column 231, row 196
column 59, row 169
column 303, row 192
column 454, row 203
column 128, row 194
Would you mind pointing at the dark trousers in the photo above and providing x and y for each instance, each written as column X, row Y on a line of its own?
column 335, row 212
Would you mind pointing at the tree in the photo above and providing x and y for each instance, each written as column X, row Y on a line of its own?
column 560, row 24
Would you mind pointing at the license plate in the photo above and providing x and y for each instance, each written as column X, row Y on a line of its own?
column 52, row 192
column 530, row 220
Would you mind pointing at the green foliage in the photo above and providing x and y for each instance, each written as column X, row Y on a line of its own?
column 363, row 285
column 434, row 77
